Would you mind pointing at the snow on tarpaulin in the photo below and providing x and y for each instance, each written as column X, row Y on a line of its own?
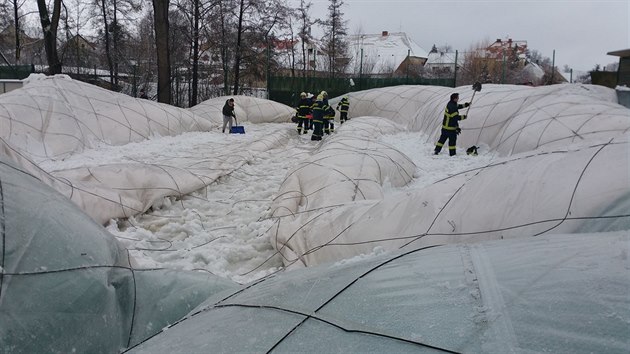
column 53, row 117
column 246, row 109
column 557, row 294
column 508, row 118
column 343, row 178
column 67, row 285
column 54, row 121
column 561, row 162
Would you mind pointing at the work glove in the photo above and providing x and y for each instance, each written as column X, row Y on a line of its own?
column 466, row 104
column 462, row 116
column 458, row 130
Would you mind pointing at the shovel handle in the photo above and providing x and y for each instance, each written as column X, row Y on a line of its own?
column 471, row 101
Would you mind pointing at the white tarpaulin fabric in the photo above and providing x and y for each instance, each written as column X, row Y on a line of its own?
column 56, row 118
column 558, row 164
column 246, row 109
column 556, row 294
column 66, row 285
column 562, row 160
column 53, row 117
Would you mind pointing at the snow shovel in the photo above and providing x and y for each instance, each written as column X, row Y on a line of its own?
column 237, row 129
column 476, row 87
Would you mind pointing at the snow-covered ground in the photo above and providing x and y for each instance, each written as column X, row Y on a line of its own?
column 222, row 229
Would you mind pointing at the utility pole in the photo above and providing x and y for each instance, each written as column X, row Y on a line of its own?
column 268, row 71
column 407, row 69
column 553, row 66
column 503, row 68
column 455, row 78
column 361, row 71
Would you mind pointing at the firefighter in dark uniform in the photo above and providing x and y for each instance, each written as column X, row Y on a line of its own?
column 318, row 118
column 329, row 113
column 343, row 107
column 450, row 125
column 303, row 109
column 329, row 121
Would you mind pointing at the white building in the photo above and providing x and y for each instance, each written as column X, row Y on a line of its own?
column 374, row 54
column 440, row 62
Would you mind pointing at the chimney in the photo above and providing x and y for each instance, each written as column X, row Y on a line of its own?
column 510, row 42
column 385, row 33
column 498, row 40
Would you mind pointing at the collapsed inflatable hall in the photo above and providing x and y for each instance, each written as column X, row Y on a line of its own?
column 560, row 166
column 528, row 253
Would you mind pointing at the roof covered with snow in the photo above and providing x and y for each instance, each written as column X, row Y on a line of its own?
column 382, row 52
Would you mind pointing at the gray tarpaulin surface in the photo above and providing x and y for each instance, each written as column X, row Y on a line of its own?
column 547, row 294
column 68, row 286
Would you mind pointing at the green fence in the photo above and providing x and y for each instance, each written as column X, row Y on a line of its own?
column 287, row 89
column 16, row 71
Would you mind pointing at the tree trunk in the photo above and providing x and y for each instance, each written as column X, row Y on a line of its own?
column 49, row 27
column 16, row 20
column 116, row 33
column 237, row 59
column 195, row 63
column 305, row 63
column 108, row 52
column 160, row 13
column 224, row 50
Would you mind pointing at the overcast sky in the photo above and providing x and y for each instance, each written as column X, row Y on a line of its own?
column 581, row 32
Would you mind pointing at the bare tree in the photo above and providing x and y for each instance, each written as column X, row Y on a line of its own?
column 180, row 46
column 49, row 27
column 220, row 35
column 75, row 20
column 288, row 25
column 160, row 13
column 5, row 13
column 237, row 51
column 196, row 12
column 257, row 19
column 17, row 16
column 336, row 45
column 11, row 24
column 143, row 52
column 306, row 22
column 104, row 13
column 113, row 14
column 195, row 56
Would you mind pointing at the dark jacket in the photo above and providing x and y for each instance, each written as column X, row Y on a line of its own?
column 343, row 105
column 451, row 116
column 228, row 110
column 318, row 111
column 304, row 107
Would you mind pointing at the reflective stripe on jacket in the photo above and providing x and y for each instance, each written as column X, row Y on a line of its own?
column 318, row 111
column 303, row 108
column 451, row 116
column 343, row 105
